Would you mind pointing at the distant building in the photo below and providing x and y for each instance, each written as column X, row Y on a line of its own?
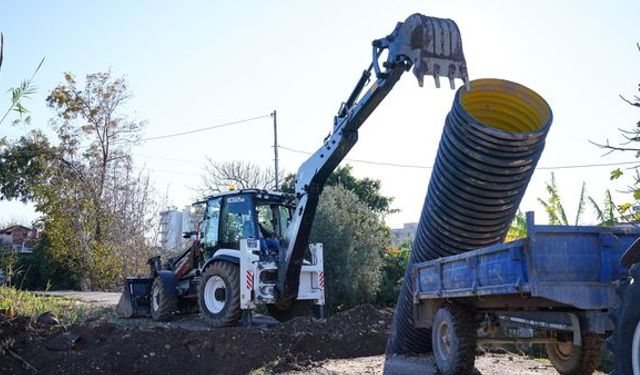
column 173, row 223
column 404, row 234
column 21, row 239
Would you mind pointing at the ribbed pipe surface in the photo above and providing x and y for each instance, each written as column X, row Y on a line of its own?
column 492, row 140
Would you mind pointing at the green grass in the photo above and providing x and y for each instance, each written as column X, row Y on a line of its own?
column 67, row 310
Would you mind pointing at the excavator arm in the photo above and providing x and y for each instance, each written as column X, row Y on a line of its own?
column 433, row 47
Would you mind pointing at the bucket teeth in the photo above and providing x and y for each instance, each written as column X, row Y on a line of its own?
column 434, row 47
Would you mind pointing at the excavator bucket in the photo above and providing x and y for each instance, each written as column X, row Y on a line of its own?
column 135, row 298
column 433, row 45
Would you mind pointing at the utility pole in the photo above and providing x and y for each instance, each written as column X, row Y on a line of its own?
column 275, row 145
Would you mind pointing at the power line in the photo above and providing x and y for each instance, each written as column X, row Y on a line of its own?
column 591, row 165
column 237, row 122
column 142, row 169
column 430, row 167
column 204, row 129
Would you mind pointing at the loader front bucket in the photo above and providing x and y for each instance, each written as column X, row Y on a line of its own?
column 135, row 299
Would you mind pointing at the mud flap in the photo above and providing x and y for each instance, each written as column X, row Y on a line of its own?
column 135, row 299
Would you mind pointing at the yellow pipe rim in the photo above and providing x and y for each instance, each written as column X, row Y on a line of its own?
column 505, row 105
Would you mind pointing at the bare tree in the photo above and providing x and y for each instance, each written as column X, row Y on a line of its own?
column 243, row 175
column 631, row 136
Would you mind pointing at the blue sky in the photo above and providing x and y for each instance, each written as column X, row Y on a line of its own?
column 195, row 64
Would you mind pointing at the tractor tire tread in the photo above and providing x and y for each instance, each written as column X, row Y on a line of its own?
column 625, row 316
column 465, row 327
column 231, row 274
column 588, row 361
column 167, row 304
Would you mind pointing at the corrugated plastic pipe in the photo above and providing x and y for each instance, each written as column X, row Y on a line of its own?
column 492, row 140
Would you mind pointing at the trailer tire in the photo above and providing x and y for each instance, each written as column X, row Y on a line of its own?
column 286, row 311
column 162, row 304
column 219, row 294
column 453, row 339
column 570, row 360
column 625, row 341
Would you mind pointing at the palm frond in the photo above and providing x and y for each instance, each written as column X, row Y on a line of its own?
column 597, row 209
column 23, row 91
column 581, row 203
column 1, row 48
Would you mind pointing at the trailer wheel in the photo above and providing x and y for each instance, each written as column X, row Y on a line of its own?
column 285, row 311
column 162, row 304
column 453, row 339
column 568, row 359
column 625, row 342
column 219, row 294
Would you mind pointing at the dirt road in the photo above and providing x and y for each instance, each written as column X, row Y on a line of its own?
column 488, row 364
column 101, row 298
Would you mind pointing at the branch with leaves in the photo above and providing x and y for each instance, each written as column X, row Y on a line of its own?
column 20, row 93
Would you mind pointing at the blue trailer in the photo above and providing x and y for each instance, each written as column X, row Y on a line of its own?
column 559, row 283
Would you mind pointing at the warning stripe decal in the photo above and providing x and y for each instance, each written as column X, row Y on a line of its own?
column 249, row 280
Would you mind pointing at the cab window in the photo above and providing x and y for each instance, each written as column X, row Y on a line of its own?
column 210, row 227
column 238, row 221
column 266, row 221
column 284, row 213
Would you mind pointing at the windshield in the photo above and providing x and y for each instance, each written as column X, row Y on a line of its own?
column 239, row 221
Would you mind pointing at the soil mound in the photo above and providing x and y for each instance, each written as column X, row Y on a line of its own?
column 108, row 349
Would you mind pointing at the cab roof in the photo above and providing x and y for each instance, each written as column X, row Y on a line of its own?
column 276, row 196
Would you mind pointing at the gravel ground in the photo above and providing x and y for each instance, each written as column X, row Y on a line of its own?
column 488, row 364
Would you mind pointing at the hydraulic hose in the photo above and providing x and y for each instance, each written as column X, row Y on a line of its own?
column 492, row 140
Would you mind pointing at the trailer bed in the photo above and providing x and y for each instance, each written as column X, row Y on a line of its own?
column 564, row 265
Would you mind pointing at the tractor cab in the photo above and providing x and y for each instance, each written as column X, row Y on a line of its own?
column 241, row 214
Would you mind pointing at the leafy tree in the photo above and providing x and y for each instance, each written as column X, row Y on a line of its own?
column 23, row 165
column 518, row 228
column 367, row 189
column 40, row 270
column 97, row 213
column 354, row 239
column 395, row 261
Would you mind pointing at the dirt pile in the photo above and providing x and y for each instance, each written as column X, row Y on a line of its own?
column 107, row 348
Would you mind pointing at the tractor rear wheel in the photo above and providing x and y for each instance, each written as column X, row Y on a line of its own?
column 568, row 359
column 162, row 304
column 625, row 342
column 219, row 294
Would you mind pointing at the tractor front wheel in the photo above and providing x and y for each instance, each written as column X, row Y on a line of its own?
column 219, row 294
column 162, row 304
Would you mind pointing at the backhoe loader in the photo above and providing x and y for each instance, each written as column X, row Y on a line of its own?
column 252, row 246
